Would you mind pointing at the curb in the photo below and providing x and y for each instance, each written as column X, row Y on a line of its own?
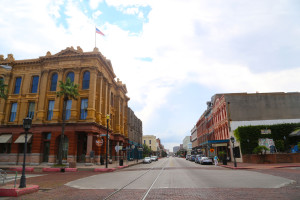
column 121, row 167
column 236, row 167
column 104, row 170
column 286, row 166
column 9, row 191
column 19, row 169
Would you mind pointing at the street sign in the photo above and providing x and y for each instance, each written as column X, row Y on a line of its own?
column 118, row 148
column 140, row 149
column 99, row 142
column 132, row 146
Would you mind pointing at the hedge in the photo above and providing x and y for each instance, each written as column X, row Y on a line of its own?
column 253, row 133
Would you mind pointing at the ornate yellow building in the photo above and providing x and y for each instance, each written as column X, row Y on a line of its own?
column 32, row 86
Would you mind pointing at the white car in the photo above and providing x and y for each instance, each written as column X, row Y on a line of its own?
column 147, row 160
column 154, row 158
column 206, row 160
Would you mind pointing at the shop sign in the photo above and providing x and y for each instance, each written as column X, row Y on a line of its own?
column 99, row 142
column 265, row 131
column 211, row 150
column 220, row 145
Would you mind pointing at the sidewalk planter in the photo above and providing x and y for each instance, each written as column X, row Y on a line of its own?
column 19, row 169
column 48, row 169
column 70, row 169
column 10, row 191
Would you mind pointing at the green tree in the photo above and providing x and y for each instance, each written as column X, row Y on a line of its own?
column 260, row 150
column 3, row 89
column 68, row 91
column 146, row 151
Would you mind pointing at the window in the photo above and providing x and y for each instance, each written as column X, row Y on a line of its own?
column 35, row 83
column 112, row 99
column 68, row 109
column 47, row 136
column 50, row 109
column 17, row 85
column 21, row 147
column 86, row 80
column 71, row 76
column 31, row 109
column 83, row 108
column 149, row 141
column 13, row 112
column 5, row 147
column 144, row 141
column 53, row 82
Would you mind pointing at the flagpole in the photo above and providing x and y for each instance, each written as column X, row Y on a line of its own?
column 95, row 36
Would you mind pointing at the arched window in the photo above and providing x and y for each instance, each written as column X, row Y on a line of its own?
column 86, row 80
column 71, row 76
column 53, row 82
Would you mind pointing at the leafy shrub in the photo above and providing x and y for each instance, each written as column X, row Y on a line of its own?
column 260, row 150
column 279, row 145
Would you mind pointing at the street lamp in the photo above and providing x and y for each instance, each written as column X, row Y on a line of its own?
column 26, row 125
column 107, row 120
column 232, row 140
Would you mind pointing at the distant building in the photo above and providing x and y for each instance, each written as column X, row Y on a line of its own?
column 150, row 141
column 230, row 111
column 175, row 149
column 194, row 139
column 135, row 135
column 187, row 145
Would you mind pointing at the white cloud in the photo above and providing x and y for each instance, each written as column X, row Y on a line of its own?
column 94, row 3
column 217, row 45
column 96, row 14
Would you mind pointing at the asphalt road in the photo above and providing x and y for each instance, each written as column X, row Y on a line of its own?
column 178, row 173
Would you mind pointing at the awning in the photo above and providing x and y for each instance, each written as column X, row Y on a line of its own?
column 295, row 133
column 6, row 138
column 21, row 138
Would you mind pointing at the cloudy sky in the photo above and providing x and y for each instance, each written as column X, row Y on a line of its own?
column 173, row 55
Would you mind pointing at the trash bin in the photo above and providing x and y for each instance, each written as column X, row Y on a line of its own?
column 121, row 162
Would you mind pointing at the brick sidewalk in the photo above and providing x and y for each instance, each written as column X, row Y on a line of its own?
column 259, row 166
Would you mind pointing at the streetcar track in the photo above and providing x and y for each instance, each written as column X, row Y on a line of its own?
column 145, row 195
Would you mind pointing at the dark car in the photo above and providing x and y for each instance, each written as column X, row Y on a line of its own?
column 192, row 158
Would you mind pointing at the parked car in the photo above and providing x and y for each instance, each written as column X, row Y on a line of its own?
column 192, row 158
column 206, row 160
column 147, row 160
column 154, row 158
column 187, row 157
column 198, row 157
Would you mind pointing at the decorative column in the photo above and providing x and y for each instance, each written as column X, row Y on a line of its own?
column 42, row 110
column 56, row 110
column 100, row 99
column 74, row 109
column 91, row 110
column 104, row 102
column 89, row 147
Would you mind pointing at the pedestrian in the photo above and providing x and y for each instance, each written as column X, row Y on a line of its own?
column 216, row 160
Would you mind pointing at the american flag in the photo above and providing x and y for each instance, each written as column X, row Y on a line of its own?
column 99, row 32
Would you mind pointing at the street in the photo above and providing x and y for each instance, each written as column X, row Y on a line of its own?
column 171, row 178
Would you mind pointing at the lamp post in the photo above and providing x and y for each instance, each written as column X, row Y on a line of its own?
column 232, row 140
column 284, row 139
column 248, row 146
column 26, row 125
column 107, row 120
